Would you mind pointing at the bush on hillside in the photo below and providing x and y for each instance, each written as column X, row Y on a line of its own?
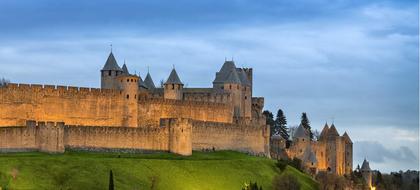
column 296, row 163
column 286, row 181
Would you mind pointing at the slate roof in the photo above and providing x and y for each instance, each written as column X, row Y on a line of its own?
column 309, row 156
column 125, row 70
column 173, row 78
column 111, row 64
column 347, row 137
column 333, row 131
column 324, row 131
column 224, row 72
column 301, row 132
column 243, row 77
column 149, row 81
column 233, row 77
column 365, row 165
column 141, row 83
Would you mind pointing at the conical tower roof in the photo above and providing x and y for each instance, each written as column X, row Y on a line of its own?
column 324, row 131
column 125, row 69
column 347, row 137
column 333, row 131
column 149, row 81
column 141, row 83
column 365, row 166
column 233, row 78
column 309, row 156
column 224, row 72
column 111, row 64
column 301, row 132
column 173, row 78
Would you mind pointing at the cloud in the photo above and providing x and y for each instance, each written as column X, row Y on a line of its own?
column 379, row 155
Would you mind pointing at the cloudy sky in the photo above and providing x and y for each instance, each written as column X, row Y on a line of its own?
column 351, row 61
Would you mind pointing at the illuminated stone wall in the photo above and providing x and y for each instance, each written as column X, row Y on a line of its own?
column 252, row 139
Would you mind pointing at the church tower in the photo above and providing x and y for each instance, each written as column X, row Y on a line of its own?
column 110, row 72
column 173, row 87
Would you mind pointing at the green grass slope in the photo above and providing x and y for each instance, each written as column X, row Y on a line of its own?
column 201, row 171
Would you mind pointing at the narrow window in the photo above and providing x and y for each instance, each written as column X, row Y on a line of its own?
column 109, row 73
column 132, row 80
column 128, row 96
column 128, row 80
column 230, row 86
column 173, row 86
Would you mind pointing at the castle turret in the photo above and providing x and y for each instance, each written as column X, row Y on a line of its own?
column 348, row 151
column 246, row 94
column 110, row 72
column 128, row 84
column 301, row 141
column 148, row 81
column 173, row 87
column 367, row 173
column 233, row 85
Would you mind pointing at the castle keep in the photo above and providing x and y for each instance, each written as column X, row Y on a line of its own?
column 131, row 114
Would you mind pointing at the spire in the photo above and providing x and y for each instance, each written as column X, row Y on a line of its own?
column 173, row 78
column 324, row 132
column 111, row 64
column 124, row 68
column 365, row 165
column 149, row 81
column 333, row 131
column 347, row 137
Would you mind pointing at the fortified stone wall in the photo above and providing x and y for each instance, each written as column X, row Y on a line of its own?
column 173, row 135
column 72, row 105
column 151, row 110
column 17, row 139
column 252, row 139
column 152, row 138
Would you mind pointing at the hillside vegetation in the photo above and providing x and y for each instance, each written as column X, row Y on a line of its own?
column 201, row 171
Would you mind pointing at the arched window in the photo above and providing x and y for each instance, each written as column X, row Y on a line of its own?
column 109, row 73
column 173, row 86
column 128, row 96
column 230, row 86
column 128, row 80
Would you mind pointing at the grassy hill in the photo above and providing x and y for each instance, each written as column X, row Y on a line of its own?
column 201, row 171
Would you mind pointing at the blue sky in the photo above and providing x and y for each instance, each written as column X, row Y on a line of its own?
column 354, row 61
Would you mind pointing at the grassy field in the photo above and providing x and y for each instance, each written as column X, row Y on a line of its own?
column 201, row 171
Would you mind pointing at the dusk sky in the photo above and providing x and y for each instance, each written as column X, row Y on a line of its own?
column 351, row 61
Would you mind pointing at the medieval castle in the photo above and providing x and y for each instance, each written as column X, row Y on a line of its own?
column 131, row 114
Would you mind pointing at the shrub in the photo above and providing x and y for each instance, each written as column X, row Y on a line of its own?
column 286, row 181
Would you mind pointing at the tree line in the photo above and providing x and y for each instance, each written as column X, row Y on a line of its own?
column 279, row 127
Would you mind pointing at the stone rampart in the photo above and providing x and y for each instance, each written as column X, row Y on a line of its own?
column 72, row 105
column 152, row 109
column 179, row 136
column 253, row 139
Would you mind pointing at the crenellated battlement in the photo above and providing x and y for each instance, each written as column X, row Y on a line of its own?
column 58, row 90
